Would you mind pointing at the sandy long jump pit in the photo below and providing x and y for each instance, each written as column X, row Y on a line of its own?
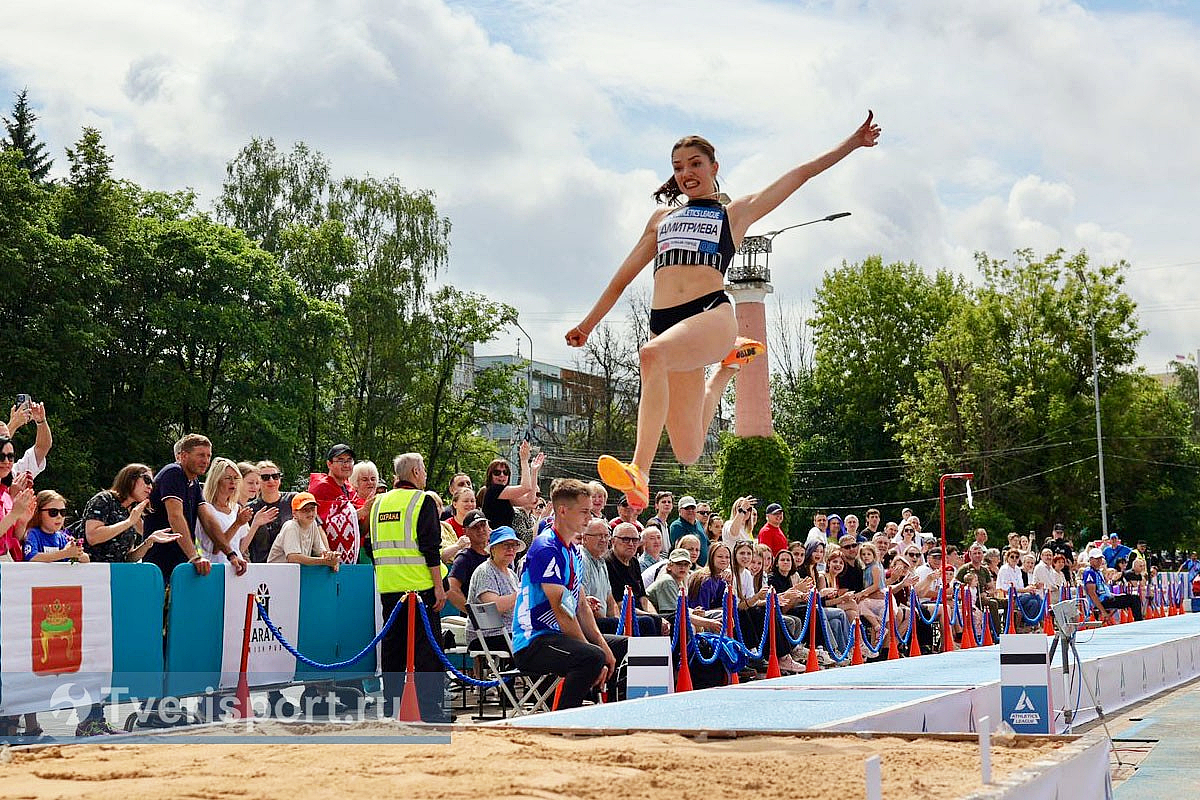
column 276, row 760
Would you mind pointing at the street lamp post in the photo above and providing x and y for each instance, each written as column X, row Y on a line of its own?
column 1096, row 403
column 749, row 283
column 529, row 380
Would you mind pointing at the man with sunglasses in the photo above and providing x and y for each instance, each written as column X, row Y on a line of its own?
column 624, row 570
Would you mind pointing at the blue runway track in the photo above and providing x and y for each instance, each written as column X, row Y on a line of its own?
column 943, row 693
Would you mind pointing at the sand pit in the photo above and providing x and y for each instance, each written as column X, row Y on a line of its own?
column 507, row 764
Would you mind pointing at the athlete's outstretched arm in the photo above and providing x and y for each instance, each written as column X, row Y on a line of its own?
column 745, row 211
column 634, row 263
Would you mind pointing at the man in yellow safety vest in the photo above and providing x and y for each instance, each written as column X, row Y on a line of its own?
column 406, row 542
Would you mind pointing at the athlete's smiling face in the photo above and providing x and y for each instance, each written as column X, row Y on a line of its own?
column 695, row 172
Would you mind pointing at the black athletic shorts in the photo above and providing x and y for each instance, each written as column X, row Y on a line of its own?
column 663, row 319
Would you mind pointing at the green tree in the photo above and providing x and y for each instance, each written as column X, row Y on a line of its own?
column 836, row 409
column 1005, row 393
column 22, row 138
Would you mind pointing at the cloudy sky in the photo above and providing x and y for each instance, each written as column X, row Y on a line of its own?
column 543, row 125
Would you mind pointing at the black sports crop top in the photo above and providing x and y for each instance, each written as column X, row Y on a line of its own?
column 697, row 233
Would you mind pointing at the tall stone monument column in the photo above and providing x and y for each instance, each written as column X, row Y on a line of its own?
column 748, row 284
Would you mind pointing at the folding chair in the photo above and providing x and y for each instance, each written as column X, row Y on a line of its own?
column 526, row 692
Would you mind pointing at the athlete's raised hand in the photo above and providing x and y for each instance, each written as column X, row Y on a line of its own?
column 867, row 134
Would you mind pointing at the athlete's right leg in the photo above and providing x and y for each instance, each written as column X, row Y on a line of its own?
column 688, row 346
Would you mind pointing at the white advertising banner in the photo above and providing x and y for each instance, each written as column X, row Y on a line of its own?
column 55, row 636
column 277, row 587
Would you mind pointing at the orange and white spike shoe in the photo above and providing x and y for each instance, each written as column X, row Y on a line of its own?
column 744, row 351
column 627, row 478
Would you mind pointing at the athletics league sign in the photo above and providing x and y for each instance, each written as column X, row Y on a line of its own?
column 1025, row 683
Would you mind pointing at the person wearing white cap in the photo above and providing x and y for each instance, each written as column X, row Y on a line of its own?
column 686, row 523
column 1099, row 592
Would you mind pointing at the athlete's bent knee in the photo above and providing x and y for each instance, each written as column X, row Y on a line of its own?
column 651, row 358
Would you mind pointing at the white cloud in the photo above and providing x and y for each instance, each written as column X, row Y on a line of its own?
column 543, row 126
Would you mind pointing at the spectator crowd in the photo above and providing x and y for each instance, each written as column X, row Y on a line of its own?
column 560, row 566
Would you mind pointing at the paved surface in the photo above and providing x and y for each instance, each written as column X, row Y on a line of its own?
column 1162, row 741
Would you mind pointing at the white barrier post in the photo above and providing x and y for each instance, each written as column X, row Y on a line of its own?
column 1025, row 682
column 985, row 748
column 874, row 779
column 649, row 670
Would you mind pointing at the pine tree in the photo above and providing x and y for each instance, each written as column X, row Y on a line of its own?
column 21, row 137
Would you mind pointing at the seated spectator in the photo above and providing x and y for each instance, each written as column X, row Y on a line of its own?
column 714, row 527
column 465, row 563
column 652, row 557
column 554, row 631
column 664, row 592
column 271, row 509
column 1048, row 574
column 707, row 586
column 461, row 480
column 112, row 519
column 496, row 582
column 624, row 571
column 690, row 543
column 1100, row 594
column 301, row 539
column 1012, row 578
column 599, row 498
column 871, row 597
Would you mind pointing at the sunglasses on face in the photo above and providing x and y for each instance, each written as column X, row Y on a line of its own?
column 8, row 457
column 55, row 512
column 501, row 472
column 271, row 476
column 147, row 479
column 627, row 539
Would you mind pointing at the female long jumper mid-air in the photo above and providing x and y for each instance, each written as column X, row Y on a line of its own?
column 692, row 324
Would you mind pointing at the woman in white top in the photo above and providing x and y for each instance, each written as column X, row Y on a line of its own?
column 741, row 522
column 1047, row 576
column 1028, row 597
column 222, row 520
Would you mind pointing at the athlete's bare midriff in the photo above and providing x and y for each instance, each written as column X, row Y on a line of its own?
column 679, row 284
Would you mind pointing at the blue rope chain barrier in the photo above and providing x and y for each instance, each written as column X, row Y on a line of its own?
column 437, row 648
column 303, row 659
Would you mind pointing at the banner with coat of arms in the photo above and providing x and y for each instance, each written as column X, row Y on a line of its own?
column 56, row 637
column 277, row 588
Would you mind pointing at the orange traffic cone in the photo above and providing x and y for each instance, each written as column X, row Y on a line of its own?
column 893, row 651
column 948, row 634
column 856, row 657
column 968, row 621
column 914, row 647
column 683, row 681
column 811, row 664
column 629, row 627
column 773, row 670
column 410, row 709
column 1048, row 619
column 988, row 640
column 1009, row 614
column 725, row 626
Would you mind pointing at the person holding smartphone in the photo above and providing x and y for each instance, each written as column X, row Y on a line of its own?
column 25, row 410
